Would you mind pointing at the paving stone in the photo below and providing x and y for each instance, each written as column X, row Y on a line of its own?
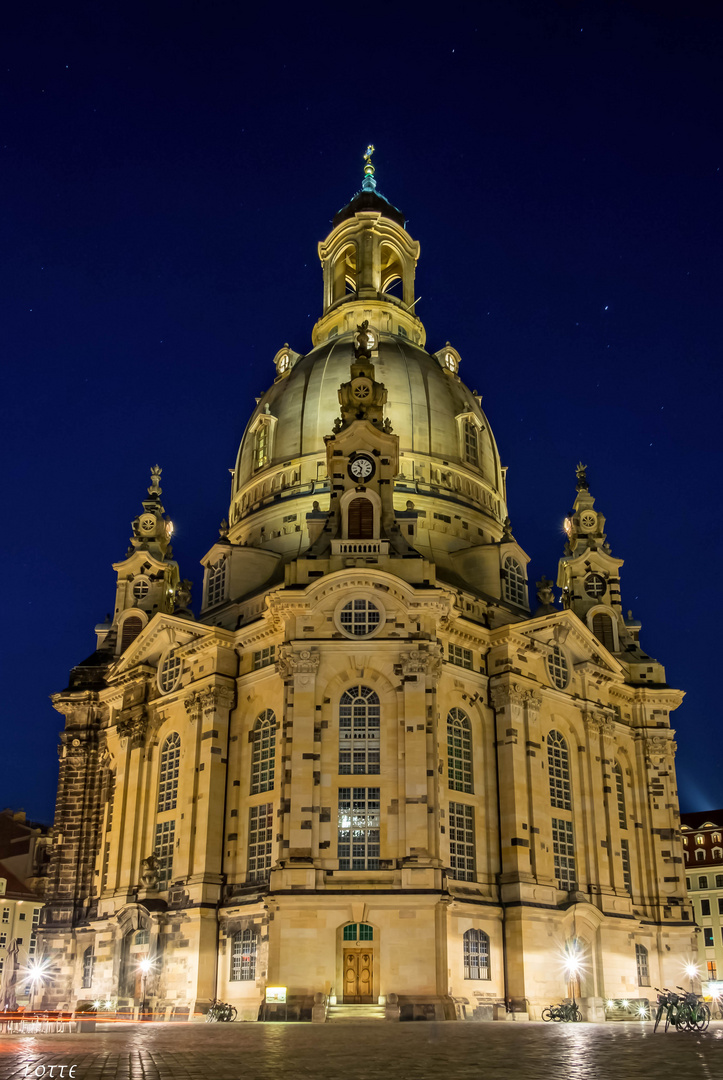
column 383, row 1051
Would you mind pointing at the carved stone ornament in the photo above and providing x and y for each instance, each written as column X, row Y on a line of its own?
column 300, row 662
column 422, row 662
column 150, row 872
column 192, row 705
column 516, row 696
column 598, row 723
column 208, row 701
column 659, row 746
column 134, row 727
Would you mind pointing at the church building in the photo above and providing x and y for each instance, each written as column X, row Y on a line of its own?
column 377, row 770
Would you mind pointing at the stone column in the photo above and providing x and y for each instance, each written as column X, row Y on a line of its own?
column 301, row 764
column 206, row 853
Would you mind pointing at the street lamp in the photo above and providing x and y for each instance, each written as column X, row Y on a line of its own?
column 572, row 966
column 144, row 966
column 691, row 971
column 37, row 973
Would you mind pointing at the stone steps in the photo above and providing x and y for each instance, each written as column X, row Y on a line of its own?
column 354, row 1014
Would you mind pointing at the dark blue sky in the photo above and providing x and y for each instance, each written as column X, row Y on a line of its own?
column 167, row 170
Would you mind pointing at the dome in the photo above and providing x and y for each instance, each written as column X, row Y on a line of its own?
column 427, row 405
column 369, row 200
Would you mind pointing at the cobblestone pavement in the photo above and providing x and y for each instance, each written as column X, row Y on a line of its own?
column 340, row 1051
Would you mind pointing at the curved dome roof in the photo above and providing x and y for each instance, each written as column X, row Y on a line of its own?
column 369, row 200
column 423, row 403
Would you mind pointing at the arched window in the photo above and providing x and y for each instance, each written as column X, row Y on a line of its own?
column 131, row 629
column 700, row 839
column 216, row 584
column 602, row 628
column 558, row 760
column 514, row 580
column 243, row 956
column 715, row 838
column 359, row 721
column 641, row 960
column 459, row 751
column 476, row 947
column 88, row 964
column 620, row 791
column 471, row 443
column 170, row 672
column 360, row 517
column 168, row 779
column 263, row 759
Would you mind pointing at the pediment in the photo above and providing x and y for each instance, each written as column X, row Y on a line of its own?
column 157, row 636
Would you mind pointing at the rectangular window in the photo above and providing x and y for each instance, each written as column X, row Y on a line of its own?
column 6, row 914
column 459, row 656
column 563, row 854
column 705, row 907
column 106, row 859
column 264, row 657
column 719, row 881
column 165, row 837
column 712, row 970
column 708, row 936
column 358, row 835
column 462, row 860
column 703, row 882
column 261, row 838
column 21, row 916
column 625, row 855
column 3, row 940
column 720, row 905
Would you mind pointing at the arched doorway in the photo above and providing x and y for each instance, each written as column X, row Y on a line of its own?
column 360, row 519
column 358, row 964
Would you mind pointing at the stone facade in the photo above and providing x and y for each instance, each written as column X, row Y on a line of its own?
column 369, row 770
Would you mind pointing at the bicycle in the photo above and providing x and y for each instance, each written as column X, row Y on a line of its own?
column 566, row 1012
column 668, row 1003
column 694, row 1014
column 222, row 1012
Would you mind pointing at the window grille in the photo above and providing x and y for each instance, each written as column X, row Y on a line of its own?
column 263, row 755
column 165, row 837
column 703, row 882
column 261, row 837
column 558, row 667
column 170, row 672
column 459, row 656
column 712, row 970
column 459, row 751
column 168, row 779
column 358, row 829
column 602, row 628
column 243, row 956
column 595, row 586
column 563, row 854
column 471, row 443
column 142, row 937
column 216, row 587
column 514, row 582
column 358, row 932
column 625, row 858
column 461, row 842
column 264, row 657
column 6, row 914
column 359, row 617
column 88, row 964
column 719, row 881
column 3, row 940
column 717, row 853
column 476, row 951
column 141, row 588
column 359, row 731
column 558, row 761
column 620, row 790
column 641, row 960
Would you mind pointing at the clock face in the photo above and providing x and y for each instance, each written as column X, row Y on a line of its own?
column 588, row 520
column 147, row 523
column 361, row 468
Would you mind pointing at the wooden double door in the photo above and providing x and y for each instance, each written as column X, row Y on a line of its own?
column 358, row 977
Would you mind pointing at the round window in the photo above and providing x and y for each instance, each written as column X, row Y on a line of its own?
column 594, row 586
column 283, row 364
column 169, row 673
column 141, row 587
column 558, row 667
column 359, row 617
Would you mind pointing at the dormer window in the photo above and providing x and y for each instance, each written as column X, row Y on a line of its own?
column 216, row 587
column 700, row 839
column 514, row 582
column 471, row 443
column 261, row 446
column 283, row 365
column 450, row 363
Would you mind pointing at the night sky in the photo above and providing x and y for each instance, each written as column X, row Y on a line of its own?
column 167, row 170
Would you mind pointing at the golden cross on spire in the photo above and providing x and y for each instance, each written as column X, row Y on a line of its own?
column 368, row 167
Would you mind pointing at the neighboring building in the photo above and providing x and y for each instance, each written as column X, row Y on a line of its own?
column 703, row 851
column 25, row 849
column 20, row 911
column 370, row 768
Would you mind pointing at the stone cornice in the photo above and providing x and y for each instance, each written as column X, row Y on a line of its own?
column 297, row 661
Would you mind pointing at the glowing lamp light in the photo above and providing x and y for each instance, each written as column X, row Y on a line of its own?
column 691, row 970
column 610, row 1003
column 625, row 1003
column 145, row 965
column 641, row 1010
